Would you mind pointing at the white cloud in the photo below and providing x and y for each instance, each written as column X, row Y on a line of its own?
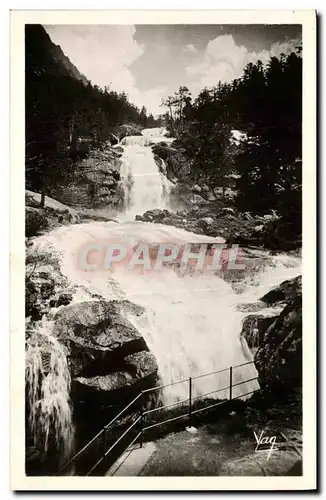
column 104, row 54
column 224, row 60
column 190, row 49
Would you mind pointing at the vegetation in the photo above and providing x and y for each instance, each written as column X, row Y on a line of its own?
column 265, row 106
column 61, row 108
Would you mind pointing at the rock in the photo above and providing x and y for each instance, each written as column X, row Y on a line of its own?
column 279, row 357
column 196, row 189
column 139, row 218
column 155, row 215
column 279, row 463
column 63, row 299
column 126, row 307
column 35, row 221
column 228, row 210
column 105, row 383
column 137, row 372
column 283, row 233
column 141, row 364
column 284, row 292
column 196, row 230
column 205, row 222
column 97, row 335
column 114, row 140
column 39, row 289
column 177, row 166
column 205, row 189
column 83, row 187
column 44, row 282
column 53, row 214
column 254, row 328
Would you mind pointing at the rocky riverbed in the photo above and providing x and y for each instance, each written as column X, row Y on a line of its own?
column 103, row 339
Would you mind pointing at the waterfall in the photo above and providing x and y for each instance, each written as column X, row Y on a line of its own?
column 192, row 324
column 145, row 186
column 48, row 393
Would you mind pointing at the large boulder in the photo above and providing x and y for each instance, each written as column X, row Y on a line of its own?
column 98, row 336
column 284, row 292
column 254, row 328
column 137, row 372
column 177, row 166
column 279, row 357
column 155, row 215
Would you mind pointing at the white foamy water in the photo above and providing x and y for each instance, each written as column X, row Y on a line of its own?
column 155, row 135
column 146, row 187
column 191, row 324
column 48, row 393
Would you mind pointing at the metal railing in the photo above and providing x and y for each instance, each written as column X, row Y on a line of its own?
column 139, row 400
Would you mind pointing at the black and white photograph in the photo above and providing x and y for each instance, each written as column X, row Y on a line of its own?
column 164, row 275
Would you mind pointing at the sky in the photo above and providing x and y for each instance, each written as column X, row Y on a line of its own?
column 150, row 62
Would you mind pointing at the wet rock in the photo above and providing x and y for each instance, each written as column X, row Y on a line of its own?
column 141, row 364
column 284, row 292
column 39, row 288
column 44, row 282
column 254, row 328
column 137, row 372
column 177, row 166
column 155, row 215
column 279, row 357
column 97, row 335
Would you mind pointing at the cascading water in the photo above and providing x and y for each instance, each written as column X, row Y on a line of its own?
column 145, row 186
column 48, row 393
column 192, row 324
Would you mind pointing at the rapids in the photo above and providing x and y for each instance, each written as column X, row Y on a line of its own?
column 192, row 324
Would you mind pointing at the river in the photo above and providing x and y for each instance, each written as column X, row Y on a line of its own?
column 192, row 324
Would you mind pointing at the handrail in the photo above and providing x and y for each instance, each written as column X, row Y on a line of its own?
column 122, row 411
column 143, row 413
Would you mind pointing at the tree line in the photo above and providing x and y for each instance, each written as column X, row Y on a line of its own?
column 265, row 106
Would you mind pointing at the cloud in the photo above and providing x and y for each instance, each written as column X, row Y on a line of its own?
column 190, row 49
column 224, row 60
column 104, row 55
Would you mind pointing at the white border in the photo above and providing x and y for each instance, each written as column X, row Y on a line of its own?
column 17, row 456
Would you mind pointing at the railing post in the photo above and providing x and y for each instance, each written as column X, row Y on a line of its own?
column 190, row 401
column 230, row 382
column 104, row 442
column 141, row 419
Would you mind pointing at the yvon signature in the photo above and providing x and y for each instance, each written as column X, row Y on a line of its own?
column 265, row 444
